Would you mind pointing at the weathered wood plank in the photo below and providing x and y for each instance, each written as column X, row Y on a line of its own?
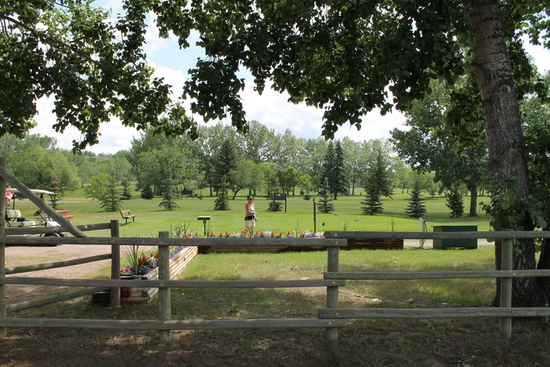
column 19, row 231
column 149, row 241
column 57, row 264
column 53, row 299
column 437, row 275
column 306, row 283
column 431, row 313
column 173, row 324
column 439, row 235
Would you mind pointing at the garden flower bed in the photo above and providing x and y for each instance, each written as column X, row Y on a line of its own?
column 353, row 243
column 146, row 268
column 179, row 258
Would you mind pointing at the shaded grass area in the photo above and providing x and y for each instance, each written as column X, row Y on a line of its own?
column 362, row 343
column 371, row 342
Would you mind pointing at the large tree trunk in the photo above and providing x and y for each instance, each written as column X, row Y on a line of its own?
column 473, row 201
column 493, row 72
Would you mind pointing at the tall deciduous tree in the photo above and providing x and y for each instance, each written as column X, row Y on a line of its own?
column 93, row 68
column 428, row 147
column 37, row 167
column 337, row 55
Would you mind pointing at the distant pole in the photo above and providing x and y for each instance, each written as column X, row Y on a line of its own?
column 314, row 217
column 422, row 240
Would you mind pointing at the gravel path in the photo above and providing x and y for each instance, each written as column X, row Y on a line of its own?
column 23, row 255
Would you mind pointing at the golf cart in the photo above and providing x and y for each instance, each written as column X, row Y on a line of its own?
column 14, row 218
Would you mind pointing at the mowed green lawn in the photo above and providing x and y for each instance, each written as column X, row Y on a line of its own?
column 298, row 216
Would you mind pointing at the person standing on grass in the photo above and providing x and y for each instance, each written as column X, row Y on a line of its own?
column 249, row 216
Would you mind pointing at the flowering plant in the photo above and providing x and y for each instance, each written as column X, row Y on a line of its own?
column 268, row 234
column 142, row 263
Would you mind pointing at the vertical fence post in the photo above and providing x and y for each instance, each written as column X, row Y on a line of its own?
column 506, row 286
column 165, row 302
column 115, row 264
column 332, row 292
column 3, row 312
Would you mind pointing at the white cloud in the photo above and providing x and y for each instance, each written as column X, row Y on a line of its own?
column 114, row 137
column 273, row 110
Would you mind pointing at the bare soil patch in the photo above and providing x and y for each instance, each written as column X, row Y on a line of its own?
column 28, row 255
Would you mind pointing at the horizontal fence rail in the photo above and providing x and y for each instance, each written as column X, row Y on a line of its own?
column 491, row 235
column 20, row 231
column 330, row 317
column 305, row 283
column 174, row 324
column 431, row 313
column 57, row 264
column 148, row 241
column 439, row 275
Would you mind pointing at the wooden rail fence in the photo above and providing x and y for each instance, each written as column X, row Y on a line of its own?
column 331, row 317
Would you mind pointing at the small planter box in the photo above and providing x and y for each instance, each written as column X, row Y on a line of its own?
column 145, row 294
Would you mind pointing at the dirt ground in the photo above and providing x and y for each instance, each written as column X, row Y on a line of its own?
column 23, row 255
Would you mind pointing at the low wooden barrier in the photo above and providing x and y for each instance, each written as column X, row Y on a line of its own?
column 330, row 317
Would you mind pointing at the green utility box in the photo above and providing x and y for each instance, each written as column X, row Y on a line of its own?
column 448, row 243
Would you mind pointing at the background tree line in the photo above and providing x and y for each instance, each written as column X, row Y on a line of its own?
column 246, row 163
column 424, row 157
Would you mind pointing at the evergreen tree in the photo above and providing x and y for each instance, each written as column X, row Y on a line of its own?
column 222, row 201
column 274, row 206
column 377, row 184
column 324, row 205
column 169, row 194
column 340, row 183
column 372, row 204
column 226, row 160
column 54, row 187
column 327, row 167
column 126, row 192
column 111, row 201
column 416, row 207
column 455, row 202
column 147, row 193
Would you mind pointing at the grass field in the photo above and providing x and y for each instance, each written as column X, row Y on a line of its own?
column 298, row 216
column 471, row 342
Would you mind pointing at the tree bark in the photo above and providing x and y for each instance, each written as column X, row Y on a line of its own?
column 473, row 202
column 493, row 72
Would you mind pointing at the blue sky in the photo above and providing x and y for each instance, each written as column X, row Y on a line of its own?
column 271, row 108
